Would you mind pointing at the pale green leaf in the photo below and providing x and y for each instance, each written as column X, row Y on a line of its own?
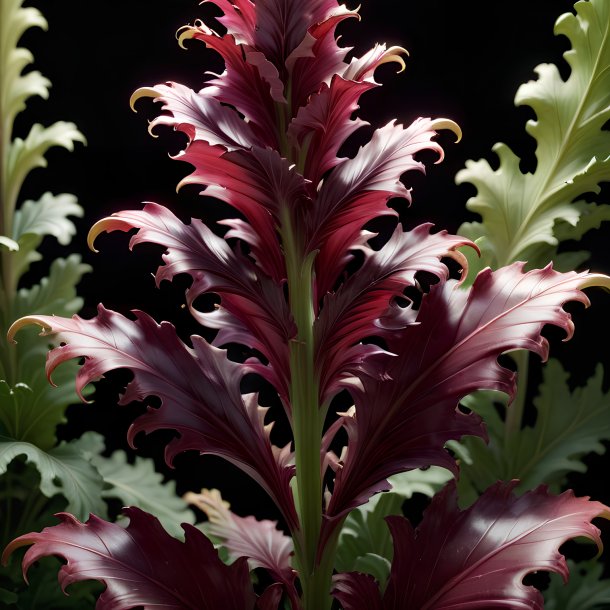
column 26, row 154
column 16, row 88
column 63, row 470
column 33, row 416
column 55, row 294
column 48, row 216
column 34, row 410
column 366, row 532
column 138, row 484
column 521, row 211
column 586, row 590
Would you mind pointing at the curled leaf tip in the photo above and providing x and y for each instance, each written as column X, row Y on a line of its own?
column 17, row 325
column 94, row 231
column 187, row 32
column 448, row 124
column 140, row 93
column 394, row 54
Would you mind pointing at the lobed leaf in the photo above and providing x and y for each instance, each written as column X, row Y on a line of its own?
column 353, row 312
column 253, row 309
column 519, row 211
column 569, row 425
column 586, row 589
column 15, row 87
column 34, row 220
column 24, row 155
column 198, row 388
column 358, row 190
column 139, row 484
column 477, row 558
column 451, row 352
column 258, row 183
column 250, row 83
column 62, row 471
column 141, row 565
column 260, row 541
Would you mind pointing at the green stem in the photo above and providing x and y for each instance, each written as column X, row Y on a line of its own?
column 307, row 423
column 514, row 413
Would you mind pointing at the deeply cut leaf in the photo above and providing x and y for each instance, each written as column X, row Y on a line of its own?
column 139, row 484
column 199, row 389
column 477, row 558
column 451, row 352
column 253, row 309
column 141, row 566
column 63, row 470
column 519, row 211
column 569, row 425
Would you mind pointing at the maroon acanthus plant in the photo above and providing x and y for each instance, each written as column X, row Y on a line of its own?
column 264, row 137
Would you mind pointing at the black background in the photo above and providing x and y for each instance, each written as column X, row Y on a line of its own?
column 466, row 62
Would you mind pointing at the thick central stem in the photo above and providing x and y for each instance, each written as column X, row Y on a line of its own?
column 307, row 427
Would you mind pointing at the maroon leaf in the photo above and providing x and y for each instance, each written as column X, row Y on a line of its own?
column 477, row 558
column 198, row 388
column 325, row 123
column 451, row 352
column 198, row 115
column 317, row 58
column 239, row 19
column 352, row 313
column 258, row 183
column 141, row 565
column 281, row 25
column 254, row 311
column 358, row 190
column 250, row 83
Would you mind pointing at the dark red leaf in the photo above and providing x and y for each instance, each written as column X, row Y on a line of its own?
column 353, row 312
column 141, row 565
column 478, row 558
column 358, row 190
column 258, row 183
column 453, row 349
column 253, row 309
column 199, row 389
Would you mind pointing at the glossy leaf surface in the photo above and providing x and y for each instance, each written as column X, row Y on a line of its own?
column 477, row 558
column 141, row 566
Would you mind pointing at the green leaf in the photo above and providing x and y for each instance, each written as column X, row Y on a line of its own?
column 521, row 212
column 36, row 219
column 56, row 294
column 25, row 155
column 586, row 590
column 138, row 484
column 365, row 541
column 16, row 88
column 569, row 425
column 33, row 416
column 375, row 565
column 365, row 532
column 63, row 470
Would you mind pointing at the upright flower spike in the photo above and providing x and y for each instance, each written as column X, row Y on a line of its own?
column 264, row 137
